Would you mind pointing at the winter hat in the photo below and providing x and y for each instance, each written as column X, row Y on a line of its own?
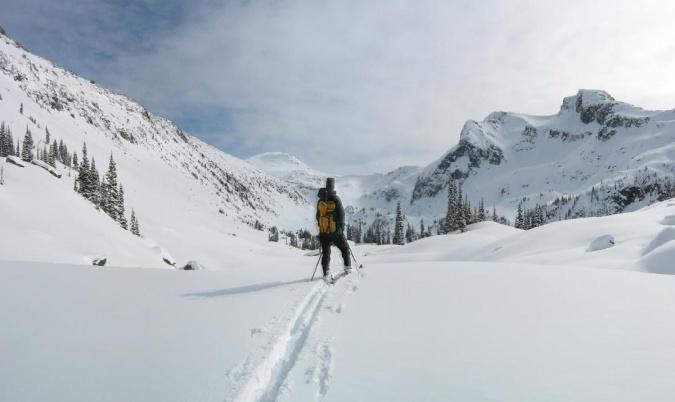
column 330, row 184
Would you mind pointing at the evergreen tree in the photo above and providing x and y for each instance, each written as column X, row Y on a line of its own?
column 494, row 214
column 121, row 214
column 399, row 234
column 6, row 141
column 111, row 199
column 273, row 234
column 53, row 154
column 27, row 150
column 3, row 140
column 135, row 230
column 84, row 174
column 520, row 222
column 452, row 207
column 481, row 211
column 94, row 184
column 468, row 216
column 21, row 109
column 422, row 230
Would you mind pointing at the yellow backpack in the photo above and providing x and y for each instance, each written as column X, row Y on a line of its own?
column 327, row 223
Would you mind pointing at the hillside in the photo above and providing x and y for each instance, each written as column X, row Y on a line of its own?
column 192, row 200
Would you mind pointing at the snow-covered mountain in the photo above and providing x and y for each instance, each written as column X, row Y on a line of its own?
column 191, row 199
column 290, row 169
column 596, row 156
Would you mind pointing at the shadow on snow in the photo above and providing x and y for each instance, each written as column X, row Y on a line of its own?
column 245, row 289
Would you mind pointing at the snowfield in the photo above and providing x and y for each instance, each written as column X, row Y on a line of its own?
column 491, row 314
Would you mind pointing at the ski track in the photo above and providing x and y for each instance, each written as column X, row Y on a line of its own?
column 267, row 380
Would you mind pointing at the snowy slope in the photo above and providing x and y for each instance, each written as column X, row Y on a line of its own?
column 529, row 321
column 191, row 199
column 290, row 169
column 594, row 143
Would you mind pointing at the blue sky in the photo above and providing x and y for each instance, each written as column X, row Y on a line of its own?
column 353, row 86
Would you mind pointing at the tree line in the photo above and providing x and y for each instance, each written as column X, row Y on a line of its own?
column 105, row 192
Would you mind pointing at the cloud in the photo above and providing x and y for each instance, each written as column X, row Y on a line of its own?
column 357, row 86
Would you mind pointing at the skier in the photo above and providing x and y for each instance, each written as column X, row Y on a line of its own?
column 330, row 215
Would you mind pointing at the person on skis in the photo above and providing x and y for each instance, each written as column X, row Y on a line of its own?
column 330, row 216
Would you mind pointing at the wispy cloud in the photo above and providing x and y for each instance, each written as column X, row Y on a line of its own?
column 367, row 85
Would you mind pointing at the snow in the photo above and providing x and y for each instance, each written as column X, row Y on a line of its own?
column 602, row 243
column 190, row 198
column 494, row 313
column 576, row 310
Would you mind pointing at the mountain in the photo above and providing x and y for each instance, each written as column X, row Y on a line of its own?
column 192, row 200
column 363, row 195
column 290, row 169
column 596, row 156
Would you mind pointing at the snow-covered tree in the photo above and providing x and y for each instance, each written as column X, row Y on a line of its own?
column 27, row 149
column 481, row 211
column 450, row 216
column 399, row 228
column 83, row 177
column 135, row 229
column 111, row 200
column 520, row 222
column 121, row 214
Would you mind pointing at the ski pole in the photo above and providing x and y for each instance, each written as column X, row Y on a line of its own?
column 317, row 264
column 358, row 265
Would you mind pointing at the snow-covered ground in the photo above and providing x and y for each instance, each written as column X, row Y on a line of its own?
column 494, row 314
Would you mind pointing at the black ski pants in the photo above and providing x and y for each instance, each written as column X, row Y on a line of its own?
column 340, row 241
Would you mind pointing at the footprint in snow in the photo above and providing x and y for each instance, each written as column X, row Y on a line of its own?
column 336, row 309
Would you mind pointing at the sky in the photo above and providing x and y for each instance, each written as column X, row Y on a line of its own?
column 353, row 86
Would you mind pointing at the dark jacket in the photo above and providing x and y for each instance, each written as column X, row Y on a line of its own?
column 339, row 209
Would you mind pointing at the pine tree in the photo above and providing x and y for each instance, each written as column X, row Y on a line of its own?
column 494, row 214
column 481, row 211
column 422, row 230
column 21, row 109
column 84, row 173
column 27, row 149
column 468, row 217
column 135, row 230
column 53, row 154
column 46, row 135
column 111, row 200
column 122, row 219
column 3, row 151
column 94, row 184
column 520, row 222
column 450, row 217
column 399, row 234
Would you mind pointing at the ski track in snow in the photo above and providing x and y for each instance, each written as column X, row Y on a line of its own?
column 268, row 381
